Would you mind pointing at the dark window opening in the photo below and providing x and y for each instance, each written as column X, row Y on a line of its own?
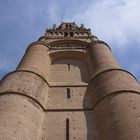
column 67, row 129
column 71, row 34
column 70, row 26
column 68, row 67
column 61, row 33
column 66, row 34
column 66, row 26
column 68, row 93
column 77, row 33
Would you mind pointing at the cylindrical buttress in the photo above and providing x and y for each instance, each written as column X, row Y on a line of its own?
column 36, row 59
column 101, row 57
column 116, row 97
column 23, row 96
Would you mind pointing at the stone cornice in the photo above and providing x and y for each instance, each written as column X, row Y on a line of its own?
column 50, row 46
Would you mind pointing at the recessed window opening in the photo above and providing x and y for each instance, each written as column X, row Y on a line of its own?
column 61, row 33
column 71, row 34
column 66, row 34
column 68, row 67
column 70, row 26
column 67, row 129
column 68, row 93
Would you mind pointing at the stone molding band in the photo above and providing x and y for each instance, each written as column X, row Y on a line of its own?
column 67, row 110
column 39, row 104
column 108, row 70
column 51, row 110
column 116, row 92
column 49, row 47
column 42, row 37
column 78, row 85
column 50, row 85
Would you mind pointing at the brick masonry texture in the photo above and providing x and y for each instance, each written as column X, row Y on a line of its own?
column 19, row 119
column 54, row 126
column 29, row 85
column 68, row 86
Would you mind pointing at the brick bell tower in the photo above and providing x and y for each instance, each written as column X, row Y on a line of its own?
column 68, row 86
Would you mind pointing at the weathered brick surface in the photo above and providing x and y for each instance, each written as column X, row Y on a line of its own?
column 26, row 83
column 36, row 59
column 118, row 117
column 102, row 58
column 20, row 118
column 73, row 77
column 111, row 82
column 81, row 128
column 116, row 95
column 69, row 71
column 57, row 98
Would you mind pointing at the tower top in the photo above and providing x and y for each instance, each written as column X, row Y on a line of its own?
column 69, row 30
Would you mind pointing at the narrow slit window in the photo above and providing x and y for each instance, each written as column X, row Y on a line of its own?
column 68, row 93
column 68, row 67
column 67, row 129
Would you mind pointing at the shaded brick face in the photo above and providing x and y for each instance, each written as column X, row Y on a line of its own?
column 69, row 71
column 69, row 78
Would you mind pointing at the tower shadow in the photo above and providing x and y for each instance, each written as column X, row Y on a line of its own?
column 89, row 115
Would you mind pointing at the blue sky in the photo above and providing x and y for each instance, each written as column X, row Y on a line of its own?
column 117, row 22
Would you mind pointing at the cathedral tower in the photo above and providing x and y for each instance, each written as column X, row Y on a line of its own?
column 68, row 86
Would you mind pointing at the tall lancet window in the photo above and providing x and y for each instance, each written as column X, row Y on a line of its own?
column 67, row 129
